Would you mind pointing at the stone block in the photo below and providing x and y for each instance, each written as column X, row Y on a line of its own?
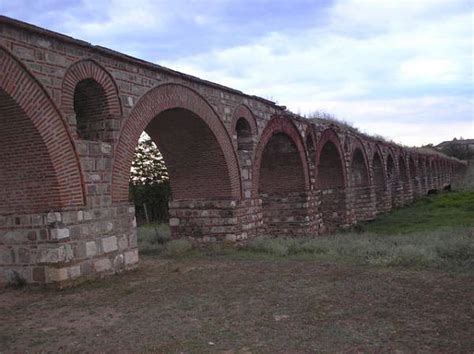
column 55, row 255
column 119, row 261
column 74, row 272
column 174, row 222
column 131, row 257
column 59, row 234
column 102, row 265
column 231, row 237
column 39, row 275
column 56, row 274
column 109, row 244
column 6, row 256
column 91, row 249
column 122, row 242
column 53, row 218
column 23, row 255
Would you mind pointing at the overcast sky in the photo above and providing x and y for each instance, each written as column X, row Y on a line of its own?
column 402, row 69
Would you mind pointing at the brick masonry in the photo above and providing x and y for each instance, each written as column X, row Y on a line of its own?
column 70, row 118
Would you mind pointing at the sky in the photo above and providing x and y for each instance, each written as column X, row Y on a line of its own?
column 402, row 69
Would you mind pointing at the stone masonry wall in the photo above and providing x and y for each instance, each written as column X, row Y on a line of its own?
column 71, row 114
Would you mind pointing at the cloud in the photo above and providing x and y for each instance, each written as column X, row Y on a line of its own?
column 406, row 64
column 391, row 67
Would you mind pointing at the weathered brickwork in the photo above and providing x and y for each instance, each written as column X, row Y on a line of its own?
column 240, row 166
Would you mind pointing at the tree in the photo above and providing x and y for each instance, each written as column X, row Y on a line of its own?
column 148, row 166
column 149, row 182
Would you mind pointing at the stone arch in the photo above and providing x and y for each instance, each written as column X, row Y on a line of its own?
column 39, row 167
column 424, row 174
column 379, row 180
column 392, row 179
column 360, row 183
column 282, row 126
column 91, row 101
column 359, row 165
column 403, row 192
column 414, row 177
column 430, row 174
column 310, row 143
column 243, row 112
column 281, row 178
column 174, row 104
column 331, row 180
column 436, row 176
column 244, row 135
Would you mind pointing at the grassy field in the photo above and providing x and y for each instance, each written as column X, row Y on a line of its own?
column 401, row 284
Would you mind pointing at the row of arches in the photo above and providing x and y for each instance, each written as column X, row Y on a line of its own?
column 205, row 161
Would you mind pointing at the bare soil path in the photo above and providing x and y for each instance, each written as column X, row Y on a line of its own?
column 217, row 305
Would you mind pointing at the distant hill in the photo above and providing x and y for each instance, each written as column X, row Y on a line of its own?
column 461, row 148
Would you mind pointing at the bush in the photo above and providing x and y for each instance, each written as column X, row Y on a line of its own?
column 156, row 197
column 151, row 238
column 448, row 248
column 177, row 248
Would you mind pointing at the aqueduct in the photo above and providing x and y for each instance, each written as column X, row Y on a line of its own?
column 71, row 115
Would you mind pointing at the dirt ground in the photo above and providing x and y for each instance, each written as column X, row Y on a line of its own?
column 231, row 305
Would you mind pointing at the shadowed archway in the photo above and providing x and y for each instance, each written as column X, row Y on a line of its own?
column 331, row 181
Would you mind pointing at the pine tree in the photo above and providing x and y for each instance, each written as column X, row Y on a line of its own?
column 148, row 166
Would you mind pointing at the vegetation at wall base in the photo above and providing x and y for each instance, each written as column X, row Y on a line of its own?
column 435, row 232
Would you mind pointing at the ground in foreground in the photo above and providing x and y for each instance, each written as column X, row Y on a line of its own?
column 410, row 292
column 197, row 305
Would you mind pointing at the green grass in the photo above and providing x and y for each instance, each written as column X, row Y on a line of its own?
column 152, row 238
column 447, row 249
column 434, row 232
column 455, row 209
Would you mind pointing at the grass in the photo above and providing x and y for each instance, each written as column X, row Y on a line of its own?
column 434, row 232
column 352, row 292
column 447, row 249
column 152, row 238
column 430, row 213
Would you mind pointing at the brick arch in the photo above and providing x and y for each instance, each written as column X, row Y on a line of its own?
column 358, row 146
column 330, row 135
column 242, row 111
column 310, row 144
column 243, row 128
column 422, row 164
column 378, row 150
column 331, row 180
column 414, row 174
column 159, row 99
column 89, row 93
column 89, row 69
column 379, row 178
column 390, row 168
column 275, row 126
column 51, row 144
column 360, row 182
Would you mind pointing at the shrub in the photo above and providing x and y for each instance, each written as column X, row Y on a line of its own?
column 151, row 238
column 177, row 248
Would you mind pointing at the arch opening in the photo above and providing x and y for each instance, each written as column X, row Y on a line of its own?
column 330, row 182
column 194, row 159
column 360, row 187
column 403, row 191
column 28, row 182
column 91, row 109
column 379, row 182
column 415, row 179
column 281, row 186
column 391, row 179
column 244, row 135
column 198, row 191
